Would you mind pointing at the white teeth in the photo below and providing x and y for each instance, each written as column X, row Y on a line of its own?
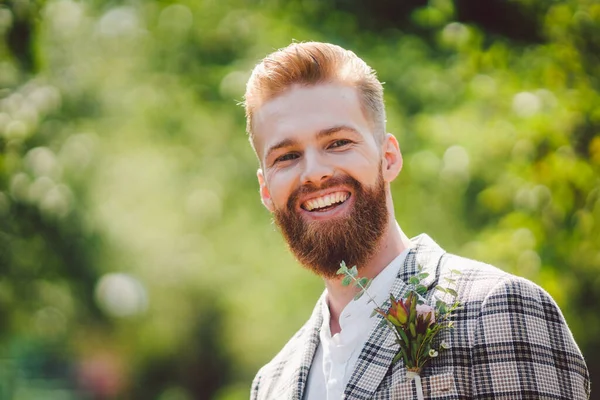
column 326, row 201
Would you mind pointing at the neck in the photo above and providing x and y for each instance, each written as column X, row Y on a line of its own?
column 393, row 242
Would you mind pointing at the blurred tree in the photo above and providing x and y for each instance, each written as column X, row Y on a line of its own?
column 135, row 257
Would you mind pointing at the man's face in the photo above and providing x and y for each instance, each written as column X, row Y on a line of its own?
column 324, row 175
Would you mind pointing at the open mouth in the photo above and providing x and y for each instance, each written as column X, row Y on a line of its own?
column 325, row 203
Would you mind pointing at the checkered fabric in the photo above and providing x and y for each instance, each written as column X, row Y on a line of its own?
column 509, row 341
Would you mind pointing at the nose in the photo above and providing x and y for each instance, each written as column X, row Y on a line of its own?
column 316, row 169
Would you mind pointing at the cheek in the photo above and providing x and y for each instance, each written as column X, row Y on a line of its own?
column 365, row 164
column 281, row 185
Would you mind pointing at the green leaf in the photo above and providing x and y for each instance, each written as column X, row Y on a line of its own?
column 421, row 289
column 442, row 308
column 397, row 357
column 373, row 313
column 455, row 271
column 426, row 351
column 364, row 282
column 452, row 292
column 413, row 350
column 449, row 280
column 369, row 281
column 414, row 280
column 346, row 281
column 403, row 336
column 342, row 269
column 441, row 289
column 406, row 360
column 353, row 271
column 358, row 295
column 423, row 275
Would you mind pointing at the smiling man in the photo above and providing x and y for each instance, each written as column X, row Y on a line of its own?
column 316, row 120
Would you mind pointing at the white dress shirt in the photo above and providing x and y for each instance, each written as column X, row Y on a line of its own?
column 337, row 355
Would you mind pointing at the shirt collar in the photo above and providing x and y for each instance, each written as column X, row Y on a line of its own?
column 360, row 310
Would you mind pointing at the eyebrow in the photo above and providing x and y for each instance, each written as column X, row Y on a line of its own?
column 280, row 145
column 335, row 129
column 321, row 134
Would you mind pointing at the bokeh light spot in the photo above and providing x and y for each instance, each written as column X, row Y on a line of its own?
column 119, row 22
column 529, row 263
column 455, row 164
column 42, row 162
column 57, row 202
column 65, row 16
column 425, row 165
column 455, row 34
column 121, row 295
column 233, row 85
column 176, row 19
column 526, row 104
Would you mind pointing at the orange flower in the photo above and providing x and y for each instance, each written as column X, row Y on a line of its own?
column 398, row 312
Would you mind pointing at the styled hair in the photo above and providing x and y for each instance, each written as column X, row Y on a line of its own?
column 309, row 64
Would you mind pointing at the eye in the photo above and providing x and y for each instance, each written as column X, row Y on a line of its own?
column 286, row 157
column 339, row 143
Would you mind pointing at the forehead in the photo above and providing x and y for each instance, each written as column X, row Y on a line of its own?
column 303, row 111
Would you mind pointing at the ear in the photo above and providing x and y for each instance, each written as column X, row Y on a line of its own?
column 265, row 196
column 392, row 158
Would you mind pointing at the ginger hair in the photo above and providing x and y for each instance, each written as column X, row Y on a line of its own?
column 312, row 63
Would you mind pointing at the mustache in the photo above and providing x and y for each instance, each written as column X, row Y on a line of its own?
column 310, row 188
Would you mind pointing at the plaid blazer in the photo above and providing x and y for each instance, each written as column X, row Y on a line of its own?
column 509, row 341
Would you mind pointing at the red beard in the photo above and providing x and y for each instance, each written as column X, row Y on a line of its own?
column 321, row 245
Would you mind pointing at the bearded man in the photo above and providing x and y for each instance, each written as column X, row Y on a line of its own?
column 316, row 120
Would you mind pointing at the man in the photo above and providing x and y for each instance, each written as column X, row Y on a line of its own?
column 316, row 120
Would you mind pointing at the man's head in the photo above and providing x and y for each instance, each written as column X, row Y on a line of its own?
column 316, row 121
column 312, row 63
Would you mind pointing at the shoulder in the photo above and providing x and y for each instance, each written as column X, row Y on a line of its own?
column 279, row 373
column 509, row 315
column 474, row 280
column 478, row 281
column 495, row 304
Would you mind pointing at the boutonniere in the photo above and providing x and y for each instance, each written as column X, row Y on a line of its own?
column 414, row 323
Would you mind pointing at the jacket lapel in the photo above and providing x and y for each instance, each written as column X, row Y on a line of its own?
column 376, row 356
column 308, row 341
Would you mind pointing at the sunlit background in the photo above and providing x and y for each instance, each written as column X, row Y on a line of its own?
column 136, row 261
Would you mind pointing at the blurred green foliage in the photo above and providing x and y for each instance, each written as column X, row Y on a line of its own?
column 135, row 258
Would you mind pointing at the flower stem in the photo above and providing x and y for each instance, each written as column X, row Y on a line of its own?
column 364, row 290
